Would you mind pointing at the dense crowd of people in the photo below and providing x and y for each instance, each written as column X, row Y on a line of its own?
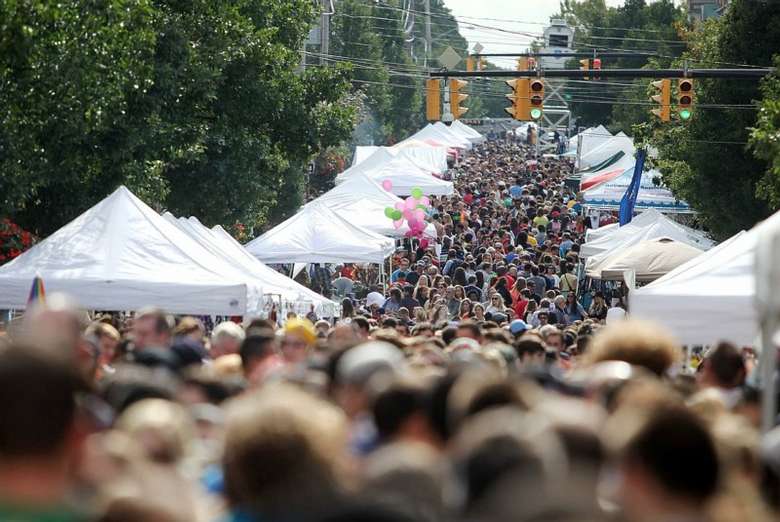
column 484, row 382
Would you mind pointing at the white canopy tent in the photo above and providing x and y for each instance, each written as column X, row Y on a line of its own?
column 403, row 174
column 429, row 157
column 317, row 234
column 607, row 149
column 122, row 255
column 452, row 134
column 592, row 138
column 650, row 224
column 644, row 261
column 429, row 132
column 708, row 299
column 467, row 131
column 290, row 294
column 359, row 199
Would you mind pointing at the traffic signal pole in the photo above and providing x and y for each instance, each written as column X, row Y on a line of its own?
column 610, row 73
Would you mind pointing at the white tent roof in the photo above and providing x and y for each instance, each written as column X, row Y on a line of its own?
column 359, row 199
column 708, row 299
column 650, row 224
column 592, row 138
column 429, row 132
column 316, row 234
column 644, row 261
column 403, row 173
column 428, row 157
column 293, row 295
column 454, row 135
column 122, row 255
column 607, row 149
column 466, row 131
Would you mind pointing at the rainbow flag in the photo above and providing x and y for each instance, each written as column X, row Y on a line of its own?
column 37, row 292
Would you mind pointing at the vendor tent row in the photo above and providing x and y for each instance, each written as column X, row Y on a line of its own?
column 347, row 224
column 605, row 169
column 122, row 255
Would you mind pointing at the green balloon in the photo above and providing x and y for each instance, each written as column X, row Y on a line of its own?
column 390, row 212
column 397, row 214
column 417, row 193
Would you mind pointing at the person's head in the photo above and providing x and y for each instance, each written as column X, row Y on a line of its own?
column 552, row 337
column 669, row 468
column 256, row 349
column 530, row 352
column 635, row 342
column 404, row 264
column 284, row 454
column 423, row 329
column 496, row 301
column 191, row 327
column 469, row 330
column 152, row 328
column 465, row 308
column 362, row 326
column 226, row 338
column 298, row 338
column 479, row 311
column 108, row 339
column 723, row 367
column 347, row 308
column 396, row 295
column 41, row 433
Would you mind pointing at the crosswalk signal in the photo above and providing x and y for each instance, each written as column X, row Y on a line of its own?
column 584, row 66
column 685, row 98
column 520, row 109
column 432, row 100
column 663, row 99
column 596, row 68
column 457, row 97
column 536, row 97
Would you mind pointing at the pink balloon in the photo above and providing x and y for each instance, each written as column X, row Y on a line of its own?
column 408, row 214
column 424, row 243
column 399, row 205
column 425, row 200
column 419, row 215
column 410, row 203
column 413, row 223
column 398, row 223
column 387, row 185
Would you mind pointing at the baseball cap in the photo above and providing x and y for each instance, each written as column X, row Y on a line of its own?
column 518, row 326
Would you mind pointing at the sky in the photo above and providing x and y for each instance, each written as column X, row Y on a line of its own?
column 492, row 18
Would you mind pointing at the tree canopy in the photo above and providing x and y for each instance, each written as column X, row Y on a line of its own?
column 196, row 106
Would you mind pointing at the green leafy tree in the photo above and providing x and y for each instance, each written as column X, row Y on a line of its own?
column 706, row 161
column 765, row 138
column 197, row 106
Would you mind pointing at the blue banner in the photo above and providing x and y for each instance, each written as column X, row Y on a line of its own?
column 629, row 198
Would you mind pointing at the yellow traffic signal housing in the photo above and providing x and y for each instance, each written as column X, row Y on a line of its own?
column 520, row 109
column 457, row 97
column 584, row 66
column 685, row 98
column 470, row 64
column 433, row 100
column 536, row 98
column 663, row 99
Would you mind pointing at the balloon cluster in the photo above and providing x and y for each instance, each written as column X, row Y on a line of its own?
column 413, row 210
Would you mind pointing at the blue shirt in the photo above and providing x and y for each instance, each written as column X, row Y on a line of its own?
column 516, row 191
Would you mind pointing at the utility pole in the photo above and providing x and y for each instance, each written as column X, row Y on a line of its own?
column 428, row 39
column 325, row 31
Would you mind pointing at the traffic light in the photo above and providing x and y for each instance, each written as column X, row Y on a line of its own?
column 432, row 100
column 596, row 68
column 520, row 109
column 584, row 66
column 536, row 98
column 457, row 97
column 663, row 99
column 685, row 98
column 470, row 64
